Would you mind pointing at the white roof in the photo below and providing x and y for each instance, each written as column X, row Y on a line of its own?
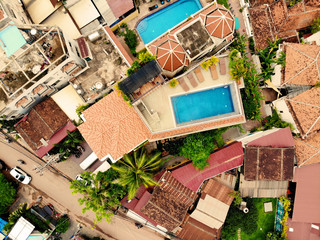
column 88, row 161
column 84, row 12
column 211, row 212
column 68, row 100
column 21, row 230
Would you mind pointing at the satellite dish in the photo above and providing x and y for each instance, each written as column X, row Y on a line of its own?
column 33, row 31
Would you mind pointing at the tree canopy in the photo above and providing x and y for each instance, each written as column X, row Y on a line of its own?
column 137, row 169
column 7, row 194
column 99, row 193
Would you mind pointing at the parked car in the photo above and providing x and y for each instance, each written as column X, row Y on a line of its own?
column 20, row 175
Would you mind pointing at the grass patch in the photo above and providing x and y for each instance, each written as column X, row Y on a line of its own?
column 224, row 3
column 265, row 220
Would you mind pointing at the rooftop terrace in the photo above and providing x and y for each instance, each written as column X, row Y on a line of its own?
column 44, row 51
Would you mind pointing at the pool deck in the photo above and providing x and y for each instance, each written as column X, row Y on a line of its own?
column 144, row 12
column 159, row 101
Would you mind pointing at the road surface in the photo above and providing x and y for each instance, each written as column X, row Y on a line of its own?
column 56, row 187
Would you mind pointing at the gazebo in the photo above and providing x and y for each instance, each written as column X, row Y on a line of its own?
column 220, row 23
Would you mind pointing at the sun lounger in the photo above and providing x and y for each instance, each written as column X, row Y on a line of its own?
column 222, row 64
column 214, row 73
column 199, row 75
column 153, row 7
column 192, row 80
column 183, row 84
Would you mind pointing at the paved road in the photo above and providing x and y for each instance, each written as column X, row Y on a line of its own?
column 56, row 187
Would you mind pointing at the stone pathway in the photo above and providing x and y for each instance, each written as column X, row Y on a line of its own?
column 239, row 234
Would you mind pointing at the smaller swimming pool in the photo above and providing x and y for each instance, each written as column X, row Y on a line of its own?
column 202, row 104
column 11, row 40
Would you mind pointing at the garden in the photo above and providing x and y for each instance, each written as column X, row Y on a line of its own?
column 254, row 225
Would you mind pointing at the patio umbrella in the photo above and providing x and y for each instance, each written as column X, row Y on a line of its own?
column 171, row 55
column 219, row 23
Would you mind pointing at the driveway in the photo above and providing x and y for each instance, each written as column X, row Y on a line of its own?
column 53, row 186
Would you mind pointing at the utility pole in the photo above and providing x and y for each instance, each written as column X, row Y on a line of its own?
column 50, row 161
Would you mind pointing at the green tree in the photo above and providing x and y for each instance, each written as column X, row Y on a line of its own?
column 7, row 194
column 146, row 57
column 237, row 197
column 81, row 108
column 101, row 195
column 134, row 67
column 63, row 224
column 273, row 236
column 315, row 26
column 137, row 169
column 14, row 216
column 173, row 83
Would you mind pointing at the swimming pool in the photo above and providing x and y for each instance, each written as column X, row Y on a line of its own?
column 202, row 104
column 11, row 40
column 158, row 23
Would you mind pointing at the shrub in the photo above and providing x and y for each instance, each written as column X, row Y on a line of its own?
column 212, row 61
column 315, row 26
column 251, row 44
column 134, row 67
column 123, row 25
column 145, row 57
column 7, row 194
column 286, row 209
column 173, row 83
column 63, row 224
column 81, row 108
column 275, row 121
column 237, row 197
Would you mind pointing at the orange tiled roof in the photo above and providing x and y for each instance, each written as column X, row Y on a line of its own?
column 302, row 64
column 305, row 109
column 113, row 127
column 308, row 151
column 275, row 19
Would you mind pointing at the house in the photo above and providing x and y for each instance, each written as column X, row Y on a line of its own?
column 268, row 165
column 78, row 17
column 207, row 219
column 271, row 19
column 21, row 230
column 41, row 61
column 165, row 206
column 45, row 125
column 305, row 220
column 212, row 26
column 223, row 160
column 300, row 105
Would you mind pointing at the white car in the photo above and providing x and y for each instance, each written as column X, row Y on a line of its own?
column 20, row 175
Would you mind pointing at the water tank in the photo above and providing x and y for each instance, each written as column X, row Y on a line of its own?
column 94, row 36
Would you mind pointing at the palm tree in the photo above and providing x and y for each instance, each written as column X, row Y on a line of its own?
column 137, row 169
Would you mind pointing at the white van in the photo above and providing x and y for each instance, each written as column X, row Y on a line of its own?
column 88, row 161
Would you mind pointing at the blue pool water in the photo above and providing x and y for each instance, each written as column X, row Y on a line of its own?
column 11, row 40
column 237, row 23
column 158, row 23
column 203, row 104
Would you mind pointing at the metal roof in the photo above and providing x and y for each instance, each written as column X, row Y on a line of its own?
column 140, row 77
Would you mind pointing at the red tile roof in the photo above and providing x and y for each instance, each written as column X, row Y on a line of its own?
column 225, row 159
column 281, row 138
column 42, row 122
column 218, row 191
column 113, row 127
column 220, row 23
column 306, row 203
column 195, row 230
column 120, row 7
column 84, row 52
column 119, row 45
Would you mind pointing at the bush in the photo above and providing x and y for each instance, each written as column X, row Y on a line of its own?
column 7, row 194
column 275, row 121
column 173, row 83
column 81, row 108
column 251, row 44
column 134, row 67
column 315, row 26
column 63, row 224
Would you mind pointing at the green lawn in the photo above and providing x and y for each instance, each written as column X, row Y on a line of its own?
column 265, row 220
column 224, row 3
column 247, row 222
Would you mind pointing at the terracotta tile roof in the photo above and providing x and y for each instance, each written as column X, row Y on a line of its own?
column 112, row 127
column 308, row 150
column 195, row 230
column 21, row 102
column 215, row 18
column 305, row 110
column 218, row 191
column 43, row 121
column 220, row 161
column 306, row 202
column 271, row 20
column 268, row 163
column 120, row 7
column 37, row 89
column 169, row 202
column 118, row 44
column 302, row 64
column 281, row 138
column 200, row 127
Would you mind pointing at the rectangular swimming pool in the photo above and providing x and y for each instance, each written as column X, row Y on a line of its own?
column 158, row 23
column 202, row 104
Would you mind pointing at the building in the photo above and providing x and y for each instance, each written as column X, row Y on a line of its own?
column 305, row 220
column 44, row 126
column 207, row 219
column 268, row 165
column 13, row 11
column 212, row 27
column 276, row 19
